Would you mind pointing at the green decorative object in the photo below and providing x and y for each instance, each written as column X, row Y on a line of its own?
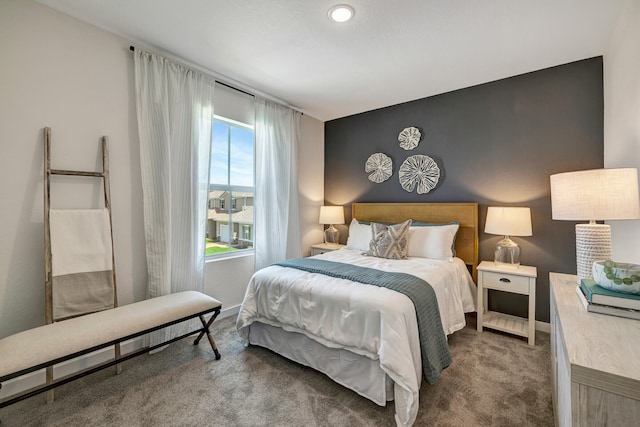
column 617, row 276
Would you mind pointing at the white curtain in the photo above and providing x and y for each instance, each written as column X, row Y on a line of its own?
column 174, row 106
column 277, row 219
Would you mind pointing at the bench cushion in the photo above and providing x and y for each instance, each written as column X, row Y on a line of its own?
column 45, row 343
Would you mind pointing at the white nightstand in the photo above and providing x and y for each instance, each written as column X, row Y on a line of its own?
column 321, row 248
column 520, row 280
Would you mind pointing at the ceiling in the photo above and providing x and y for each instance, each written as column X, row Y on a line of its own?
column 391, row 52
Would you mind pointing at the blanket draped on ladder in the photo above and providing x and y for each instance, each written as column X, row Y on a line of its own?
column 77, row 260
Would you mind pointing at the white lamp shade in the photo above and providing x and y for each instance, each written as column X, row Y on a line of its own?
column 331, row 215
column 508, row 221
column 597, row 194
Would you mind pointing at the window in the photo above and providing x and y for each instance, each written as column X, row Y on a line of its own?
column 231, row 188
column 246, row 232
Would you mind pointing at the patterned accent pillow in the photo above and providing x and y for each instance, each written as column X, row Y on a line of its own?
column 389, row 241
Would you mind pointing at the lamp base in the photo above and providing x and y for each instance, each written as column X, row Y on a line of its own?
column 332, row 235
column 507, row 253
column 593, row 243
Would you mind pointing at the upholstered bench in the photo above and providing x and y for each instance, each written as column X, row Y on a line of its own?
column 48, row 345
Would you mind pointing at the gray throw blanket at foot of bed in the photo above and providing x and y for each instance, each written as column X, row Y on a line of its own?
column 433, row 342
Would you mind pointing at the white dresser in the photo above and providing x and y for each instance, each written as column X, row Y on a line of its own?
column 595, row 361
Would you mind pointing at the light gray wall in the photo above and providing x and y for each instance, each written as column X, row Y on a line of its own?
column 311, row 181
column 233, row 104
column 59, row 72
column 622, row 119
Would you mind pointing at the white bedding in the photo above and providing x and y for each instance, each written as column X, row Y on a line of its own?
column 367, row 320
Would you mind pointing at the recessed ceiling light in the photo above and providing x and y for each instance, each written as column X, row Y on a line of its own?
column 341, row 13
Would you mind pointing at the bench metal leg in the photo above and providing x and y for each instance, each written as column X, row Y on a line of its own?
column 205, row 330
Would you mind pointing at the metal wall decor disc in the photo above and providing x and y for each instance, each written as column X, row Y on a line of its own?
column 419, row 171
column 409, row 138
column 380, row 167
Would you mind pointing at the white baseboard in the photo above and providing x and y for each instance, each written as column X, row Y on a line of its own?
column 543, row 326
column 231, row 311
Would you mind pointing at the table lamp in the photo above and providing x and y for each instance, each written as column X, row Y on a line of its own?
column 508, row 221
column 331, row 215
column 594, row 195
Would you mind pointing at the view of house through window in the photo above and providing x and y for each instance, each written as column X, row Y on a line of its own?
column 231, row 188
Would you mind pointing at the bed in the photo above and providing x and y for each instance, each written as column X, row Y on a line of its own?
column 366, row 337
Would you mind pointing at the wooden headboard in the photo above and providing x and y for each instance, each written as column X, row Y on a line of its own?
column 465, row 214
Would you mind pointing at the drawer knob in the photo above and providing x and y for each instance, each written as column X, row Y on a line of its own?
column 505, row 280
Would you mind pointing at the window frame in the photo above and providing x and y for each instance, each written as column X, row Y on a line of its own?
column 229, row 191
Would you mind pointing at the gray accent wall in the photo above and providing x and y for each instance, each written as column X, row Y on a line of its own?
column 495, row 144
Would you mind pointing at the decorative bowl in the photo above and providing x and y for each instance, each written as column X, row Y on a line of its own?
column 617, row 276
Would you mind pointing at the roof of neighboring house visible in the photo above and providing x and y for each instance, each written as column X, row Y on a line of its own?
column 244, row 216
column 216, row 194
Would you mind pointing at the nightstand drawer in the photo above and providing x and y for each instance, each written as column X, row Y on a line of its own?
column 506, row 282
column 321, row 248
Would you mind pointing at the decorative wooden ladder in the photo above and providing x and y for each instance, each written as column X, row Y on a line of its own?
column 48, row 171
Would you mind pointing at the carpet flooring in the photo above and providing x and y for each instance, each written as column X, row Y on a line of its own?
column 495, row 380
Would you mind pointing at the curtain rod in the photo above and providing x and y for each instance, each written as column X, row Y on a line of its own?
column 132, row 49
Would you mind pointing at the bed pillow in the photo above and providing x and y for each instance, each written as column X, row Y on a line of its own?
column 359, row 236
column 433, row 240
column 389, row 241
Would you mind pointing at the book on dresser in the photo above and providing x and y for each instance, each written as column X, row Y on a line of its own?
column 598, row 295
column 606, row 309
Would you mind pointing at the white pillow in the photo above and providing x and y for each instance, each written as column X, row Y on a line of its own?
column 359, row 236
column 432, row 241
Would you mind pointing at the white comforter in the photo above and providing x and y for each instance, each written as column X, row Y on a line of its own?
column 368, row 320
